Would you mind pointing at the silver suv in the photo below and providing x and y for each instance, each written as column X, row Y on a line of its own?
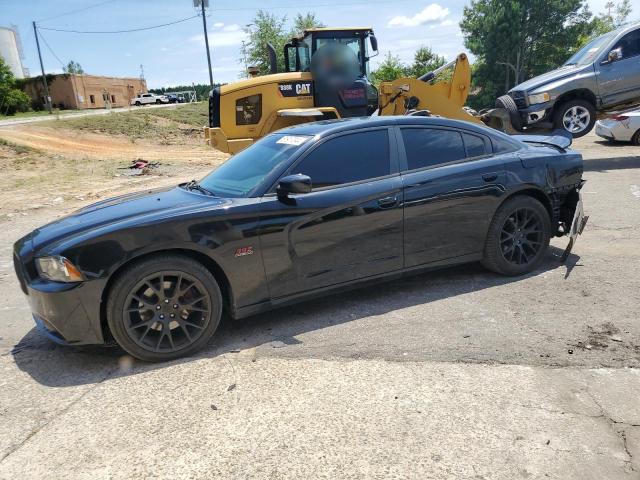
column 601, row 76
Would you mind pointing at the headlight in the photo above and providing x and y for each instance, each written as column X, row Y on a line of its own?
column 58, row 269
column 539, row 98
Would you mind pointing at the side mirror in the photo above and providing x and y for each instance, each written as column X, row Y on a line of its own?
column 292, row 184
column 374, row 42
column 614, row 55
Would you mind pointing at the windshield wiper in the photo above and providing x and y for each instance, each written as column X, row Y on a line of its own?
column 193, row 185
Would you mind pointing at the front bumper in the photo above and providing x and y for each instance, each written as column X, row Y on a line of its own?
column 67, row 313
column 534, row 114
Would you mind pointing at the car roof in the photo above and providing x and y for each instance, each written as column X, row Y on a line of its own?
column 329, row 127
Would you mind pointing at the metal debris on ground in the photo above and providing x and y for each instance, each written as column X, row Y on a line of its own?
column 139, row 167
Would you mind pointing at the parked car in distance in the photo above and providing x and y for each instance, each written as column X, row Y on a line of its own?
column 602, row 75
column 173, row 98
column 305, row 211
column 624, row 127
column 148, row 98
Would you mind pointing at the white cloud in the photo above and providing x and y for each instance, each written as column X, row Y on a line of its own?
column 447, row 23
column 230, row 35
column 429, row 14
column 218, row 25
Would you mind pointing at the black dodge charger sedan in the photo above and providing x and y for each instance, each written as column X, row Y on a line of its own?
column 304, row 211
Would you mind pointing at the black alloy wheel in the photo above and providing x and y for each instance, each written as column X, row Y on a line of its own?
column 521, row 236
column 167, row 311
column 518, row 236
column 164, row 308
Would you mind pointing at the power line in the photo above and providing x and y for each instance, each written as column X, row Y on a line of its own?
column 49, row 48
column 71, row 12
column 311, row 6
column 140, row 29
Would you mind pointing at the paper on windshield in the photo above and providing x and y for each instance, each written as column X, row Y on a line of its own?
column 292, row 140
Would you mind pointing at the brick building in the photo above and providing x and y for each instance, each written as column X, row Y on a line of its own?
column 71, row 91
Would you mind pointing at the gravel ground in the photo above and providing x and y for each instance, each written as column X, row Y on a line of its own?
column 454, row 374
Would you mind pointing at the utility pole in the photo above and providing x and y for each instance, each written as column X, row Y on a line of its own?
column 204, row 3
column 44, row 78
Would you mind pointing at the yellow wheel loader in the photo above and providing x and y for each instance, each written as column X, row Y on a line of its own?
column 325, row 77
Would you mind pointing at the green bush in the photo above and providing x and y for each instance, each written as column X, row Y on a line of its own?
column 13, row 100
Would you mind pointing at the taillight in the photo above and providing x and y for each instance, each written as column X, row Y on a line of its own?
column 621, row 117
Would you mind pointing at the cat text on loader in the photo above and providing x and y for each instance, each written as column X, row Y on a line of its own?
column 325, row 77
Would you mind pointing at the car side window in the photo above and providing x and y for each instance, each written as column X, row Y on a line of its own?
column 475, row 145
column 348, row 158
column 503, row 146
column 427, row 147
column 629, row 44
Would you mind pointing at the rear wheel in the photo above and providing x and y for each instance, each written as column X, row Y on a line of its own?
column 164, row 308
column 137, row 104
column 576, row 116
column 158, row 102
column 636, row 138
column 518, row 237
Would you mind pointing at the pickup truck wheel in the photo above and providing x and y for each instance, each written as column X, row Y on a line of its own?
column 506, row 102
column 576, row 116
column 137, row 104
column 164, row 308
column 518, row 237
column 158, row 102
column 636, row 138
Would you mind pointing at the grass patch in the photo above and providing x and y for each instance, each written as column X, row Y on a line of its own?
column 18, row 149
column 167, row 125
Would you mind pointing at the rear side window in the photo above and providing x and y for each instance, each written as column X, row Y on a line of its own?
column 347, row 158
column 503, row 145
column 475, row 145
column 427, row 147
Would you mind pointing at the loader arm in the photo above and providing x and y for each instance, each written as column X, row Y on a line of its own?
column 433, row 92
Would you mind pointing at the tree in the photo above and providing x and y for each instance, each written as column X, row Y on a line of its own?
column 268, row 28
column 12, row 99
column 614, row 16
column 517, row 39
column 425, row 60
column 73, row 67
column 389, row 69
column 304, row 22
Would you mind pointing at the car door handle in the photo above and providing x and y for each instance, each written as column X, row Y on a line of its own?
column 489, row 177
column 388, row 202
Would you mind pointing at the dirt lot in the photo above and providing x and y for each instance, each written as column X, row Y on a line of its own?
column 453, row 374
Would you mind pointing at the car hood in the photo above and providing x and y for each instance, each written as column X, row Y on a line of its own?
column 552, row 76
column 149, row 205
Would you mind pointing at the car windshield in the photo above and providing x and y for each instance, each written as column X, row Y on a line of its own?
column 243, row 172
column 591, row 50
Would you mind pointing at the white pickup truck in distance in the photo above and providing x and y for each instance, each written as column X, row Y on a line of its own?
column 148, row 98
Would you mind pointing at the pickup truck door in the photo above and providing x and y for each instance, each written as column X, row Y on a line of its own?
column 619, row 81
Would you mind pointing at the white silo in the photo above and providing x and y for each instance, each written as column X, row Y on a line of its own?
column 10, row 50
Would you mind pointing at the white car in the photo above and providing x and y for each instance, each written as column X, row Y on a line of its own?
column 624, row 127
column 148, row 98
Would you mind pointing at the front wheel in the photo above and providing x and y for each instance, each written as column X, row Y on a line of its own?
column 164, row 308
column 576, row 117
column 137, row 104
column 518, row 237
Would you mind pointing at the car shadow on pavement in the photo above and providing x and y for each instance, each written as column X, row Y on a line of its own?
column 615, row 163
column 60, row 366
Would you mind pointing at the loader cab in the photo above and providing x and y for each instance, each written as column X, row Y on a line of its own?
column 361, row 40
column 359, row 98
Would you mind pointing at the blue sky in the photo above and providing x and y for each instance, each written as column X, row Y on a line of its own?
column 176, row 55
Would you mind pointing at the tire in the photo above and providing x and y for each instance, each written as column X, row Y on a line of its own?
column 157, row 322
column 137, row 104
column 506, row 254
column 158, row 102
column 506, row 102
column 635, row 140
column 569, row 117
